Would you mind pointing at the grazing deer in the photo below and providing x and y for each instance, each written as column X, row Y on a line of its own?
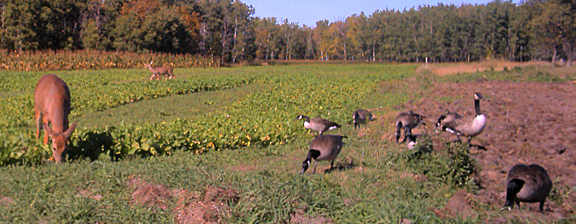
column 52, row 106
column 157, row 71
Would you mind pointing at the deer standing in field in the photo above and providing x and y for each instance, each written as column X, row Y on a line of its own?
column 157, row 71
column 52, row 106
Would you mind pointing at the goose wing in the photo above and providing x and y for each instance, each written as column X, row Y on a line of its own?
column 451, row 121
column 324, row 122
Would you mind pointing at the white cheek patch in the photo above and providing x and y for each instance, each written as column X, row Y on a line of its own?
column 333, row 127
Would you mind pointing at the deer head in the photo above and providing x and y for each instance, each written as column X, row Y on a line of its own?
column 59, row 140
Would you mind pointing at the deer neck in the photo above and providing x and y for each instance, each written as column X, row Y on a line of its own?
column 58, row 119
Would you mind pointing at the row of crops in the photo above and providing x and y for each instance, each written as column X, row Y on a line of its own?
column 101, row 91
column 89, row 59
column 263, row 118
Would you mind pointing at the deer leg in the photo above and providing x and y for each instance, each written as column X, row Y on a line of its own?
column 38, row 116
column 46, row 134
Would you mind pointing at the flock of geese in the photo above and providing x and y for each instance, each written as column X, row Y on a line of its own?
column 524, row 183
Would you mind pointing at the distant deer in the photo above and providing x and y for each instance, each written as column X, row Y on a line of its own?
column 52, row 106
column 157, row 71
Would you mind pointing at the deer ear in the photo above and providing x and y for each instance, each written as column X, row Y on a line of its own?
column 71, row 129
column 49, row 130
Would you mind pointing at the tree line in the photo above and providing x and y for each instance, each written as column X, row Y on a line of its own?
column 229, row 31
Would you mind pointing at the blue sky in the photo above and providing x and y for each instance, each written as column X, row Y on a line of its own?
column 308, row 12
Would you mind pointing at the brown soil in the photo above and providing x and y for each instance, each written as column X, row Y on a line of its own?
column 300, row 218
column 6, row 201
column 189, row 207
column 89, row 194
column 471, row 67
column 527, row 123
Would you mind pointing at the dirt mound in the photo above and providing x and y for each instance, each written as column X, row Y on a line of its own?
column 149, row 195
column 211, row 209
column 527, row 123
column 300, row 218
column 189, row 206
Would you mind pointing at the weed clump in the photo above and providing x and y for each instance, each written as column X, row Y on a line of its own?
column 456, row 168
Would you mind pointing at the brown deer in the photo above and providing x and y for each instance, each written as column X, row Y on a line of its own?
column 52, row 106
column 157, row 71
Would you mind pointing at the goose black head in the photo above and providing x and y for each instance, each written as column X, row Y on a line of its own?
column 477, row 96
column 305, row 166
column 299, row 117
column 421, row 119
column 440, row 119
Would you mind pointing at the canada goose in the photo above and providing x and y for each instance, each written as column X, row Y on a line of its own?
column 460, row 126
column 361, row 116
column 527, row 184
column 407, row 121
column 317, row 124
column 323, row 147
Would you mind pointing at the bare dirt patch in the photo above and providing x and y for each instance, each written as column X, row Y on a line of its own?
column 527, row 123
column 89, row 194
column 471, row 67
column 6, row 201
column 301, row 218
column 188, row 206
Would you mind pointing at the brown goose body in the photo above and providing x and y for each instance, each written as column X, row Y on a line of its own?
column 527, row 184
column 361, row 116
column 318, row 124
column 407, row 121
column 323, row 147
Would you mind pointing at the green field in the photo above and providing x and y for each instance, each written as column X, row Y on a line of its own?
column 226, row 128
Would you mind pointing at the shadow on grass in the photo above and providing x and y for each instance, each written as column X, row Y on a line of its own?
column 470, row 145
column 341, row 167
column 90, row 146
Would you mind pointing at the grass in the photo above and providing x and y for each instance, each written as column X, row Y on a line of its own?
column 376, row 181
column 189, row 106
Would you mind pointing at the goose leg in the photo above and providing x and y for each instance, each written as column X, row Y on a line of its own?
column 542, row 206
column 407, row 132
column 315, row 164
column 458, row 139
